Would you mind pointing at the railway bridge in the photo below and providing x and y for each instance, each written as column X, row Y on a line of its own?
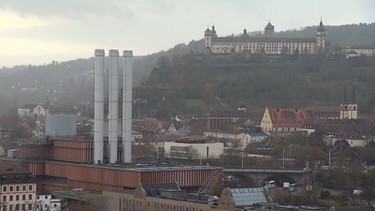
column 259, row 176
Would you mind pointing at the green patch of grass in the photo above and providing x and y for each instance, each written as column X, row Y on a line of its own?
column 195, row 106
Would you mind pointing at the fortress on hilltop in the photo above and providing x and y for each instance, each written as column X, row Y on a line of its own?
column 268, row 44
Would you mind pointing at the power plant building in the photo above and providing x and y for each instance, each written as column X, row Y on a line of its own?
column 105, row 162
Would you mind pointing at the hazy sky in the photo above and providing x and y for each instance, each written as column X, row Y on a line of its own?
column 39, row 31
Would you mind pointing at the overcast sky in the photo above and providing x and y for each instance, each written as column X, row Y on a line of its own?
column 39, row 31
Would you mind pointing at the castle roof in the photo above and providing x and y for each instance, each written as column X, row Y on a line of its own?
column 269, row 26
column 263, row 39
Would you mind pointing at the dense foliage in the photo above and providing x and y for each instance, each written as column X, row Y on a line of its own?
column 176, row 89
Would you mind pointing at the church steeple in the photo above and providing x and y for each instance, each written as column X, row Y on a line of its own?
column 321, row 27
column 321, row 37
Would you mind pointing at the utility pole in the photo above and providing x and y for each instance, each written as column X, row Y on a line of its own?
column 242, row 158
column 283, row 159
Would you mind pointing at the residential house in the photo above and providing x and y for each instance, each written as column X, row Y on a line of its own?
column 32, row 109
column 153, row 125
column 178, row 128
column 17, row 187
column 47, row 202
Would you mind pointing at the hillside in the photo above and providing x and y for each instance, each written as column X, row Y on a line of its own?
column 70, row 82
column 198, row 88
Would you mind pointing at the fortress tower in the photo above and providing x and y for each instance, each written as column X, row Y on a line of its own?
column 268, row 30
column 208, row 34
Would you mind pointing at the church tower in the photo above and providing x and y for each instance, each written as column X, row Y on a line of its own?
column 241, row 105
column 349, row 110
column 320, row 37
column 268, row 30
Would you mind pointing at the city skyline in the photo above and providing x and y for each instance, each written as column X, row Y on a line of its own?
column 36, row 33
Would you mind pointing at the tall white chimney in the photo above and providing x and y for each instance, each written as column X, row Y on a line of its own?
column 113, row 105
column 127, row 82
column 99, row 106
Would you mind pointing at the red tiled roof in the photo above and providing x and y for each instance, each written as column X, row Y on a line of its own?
column 288, row 117
column 150, row 123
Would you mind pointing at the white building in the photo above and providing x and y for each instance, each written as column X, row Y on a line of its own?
column 234, row 135
column 254, row 138
column 368, row 50
column 268, row 44
column 193, row 149
column 17, row 188
column 46, row 202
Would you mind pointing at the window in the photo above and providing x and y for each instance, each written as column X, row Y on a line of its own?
column 11, row 198
column 17, row 188
column 30, row 187
column 4, row 198
column 11, row 188
column 30, row 197
column 4, row 188
column 17, row 197
column 30, row 206
column 24, row 188
column 23, row 197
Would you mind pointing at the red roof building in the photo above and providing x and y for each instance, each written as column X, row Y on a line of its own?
column 284, row 119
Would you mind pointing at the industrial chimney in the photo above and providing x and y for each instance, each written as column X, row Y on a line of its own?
column 113, row 106
column 127, row 106
column 113, row 66
column 99, row 106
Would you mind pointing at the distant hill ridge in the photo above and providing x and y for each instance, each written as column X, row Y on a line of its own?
column 74, row 71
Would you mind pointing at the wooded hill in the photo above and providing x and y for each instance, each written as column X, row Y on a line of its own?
column 198, row 88
column 71, row 82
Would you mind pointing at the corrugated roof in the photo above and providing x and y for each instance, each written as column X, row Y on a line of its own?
column 248, row 196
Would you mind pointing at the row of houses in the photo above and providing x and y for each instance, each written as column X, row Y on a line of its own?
column 209, row 135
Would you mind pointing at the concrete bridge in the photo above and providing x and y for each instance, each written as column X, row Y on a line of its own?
column 258, row 176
